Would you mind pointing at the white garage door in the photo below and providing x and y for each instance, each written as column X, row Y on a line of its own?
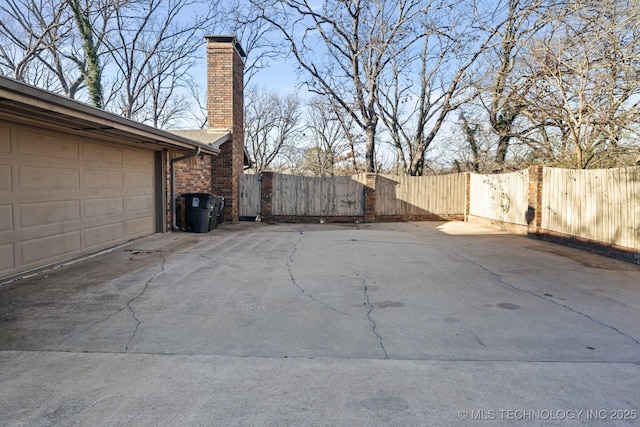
column 62, row 196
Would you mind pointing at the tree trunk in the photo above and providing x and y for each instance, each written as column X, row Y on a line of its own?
column 370, row 147
column 93, row 71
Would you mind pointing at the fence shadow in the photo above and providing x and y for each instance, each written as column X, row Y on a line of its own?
column 420, row 198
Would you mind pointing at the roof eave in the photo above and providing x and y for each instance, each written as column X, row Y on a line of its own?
column 15, row 95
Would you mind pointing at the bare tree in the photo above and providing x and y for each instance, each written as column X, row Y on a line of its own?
column 258, row 38
column 446, row 68
column 33, row 35
column 146, row 48
column 329, row 152
column 21, row 39
column 237, row 17
column 55, row 45
column 524, row 19
column 153, row 45
column 198, row 114
column 585, row 88
column 408, row 107
column 272, row 125
column 343, row 46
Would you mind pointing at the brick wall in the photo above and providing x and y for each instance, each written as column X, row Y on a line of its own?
column 192, row 175
column 225, row 74
column 215, row 174
column 370, row 198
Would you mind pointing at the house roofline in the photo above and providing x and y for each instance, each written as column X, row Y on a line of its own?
column 29, row 102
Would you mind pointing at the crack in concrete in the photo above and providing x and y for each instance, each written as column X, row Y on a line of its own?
column 473, row 334
column 571, row 309
column 374, row 325
column 97, row 322
column 133, row 312
column 294, row 281
column 126, row 307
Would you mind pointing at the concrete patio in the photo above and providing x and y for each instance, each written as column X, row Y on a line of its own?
column 327, row 325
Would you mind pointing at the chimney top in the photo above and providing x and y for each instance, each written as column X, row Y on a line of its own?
column 227, row 39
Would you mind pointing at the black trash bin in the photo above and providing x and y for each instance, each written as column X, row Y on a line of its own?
column 198, row 210
column 217, row 206
column 221, row 211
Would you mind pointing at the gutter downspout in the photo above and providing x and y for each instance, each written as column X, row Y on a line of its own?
column 174, row 225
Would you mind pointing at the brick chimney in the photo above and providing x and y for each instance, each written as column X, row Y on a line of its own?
column 225, row 87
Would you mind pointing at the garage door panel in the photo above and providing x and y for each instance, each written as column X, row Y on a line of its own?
column 46, row 230
column 138, row 181
column 46, row 144
column 42, row 213
column 6, row 180
column 102, row 234
column 48, row 178
column 6, row 217
column 139, row 226
column 137, row 158
column 5, row 139
column 101, row 179
column 50, row 247
column 92, row 208
column 138, row 203
column 7, row 259
column 101, row 153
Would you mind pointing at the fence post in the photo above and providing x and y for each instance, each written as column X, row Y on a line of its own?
column 266, row 193
column 534, row 210
column 467, row 195
column 370, row 197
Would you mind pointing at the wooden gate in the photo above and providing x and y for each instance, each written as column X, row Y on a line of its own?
column 249, row 207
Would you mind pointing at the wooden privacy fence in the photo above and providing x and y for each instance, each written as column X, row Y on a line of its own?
column 420, row 197
column 300, row 196
column 503, row 198
column 599, row 205
column 363, row 197
column 596, row 210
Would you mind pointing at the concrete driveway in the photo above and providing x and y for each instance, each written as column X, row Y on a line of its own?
column 325, row 325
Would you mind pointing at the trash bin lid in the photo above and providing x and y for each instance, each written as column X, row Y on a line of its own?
column 199, row 195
